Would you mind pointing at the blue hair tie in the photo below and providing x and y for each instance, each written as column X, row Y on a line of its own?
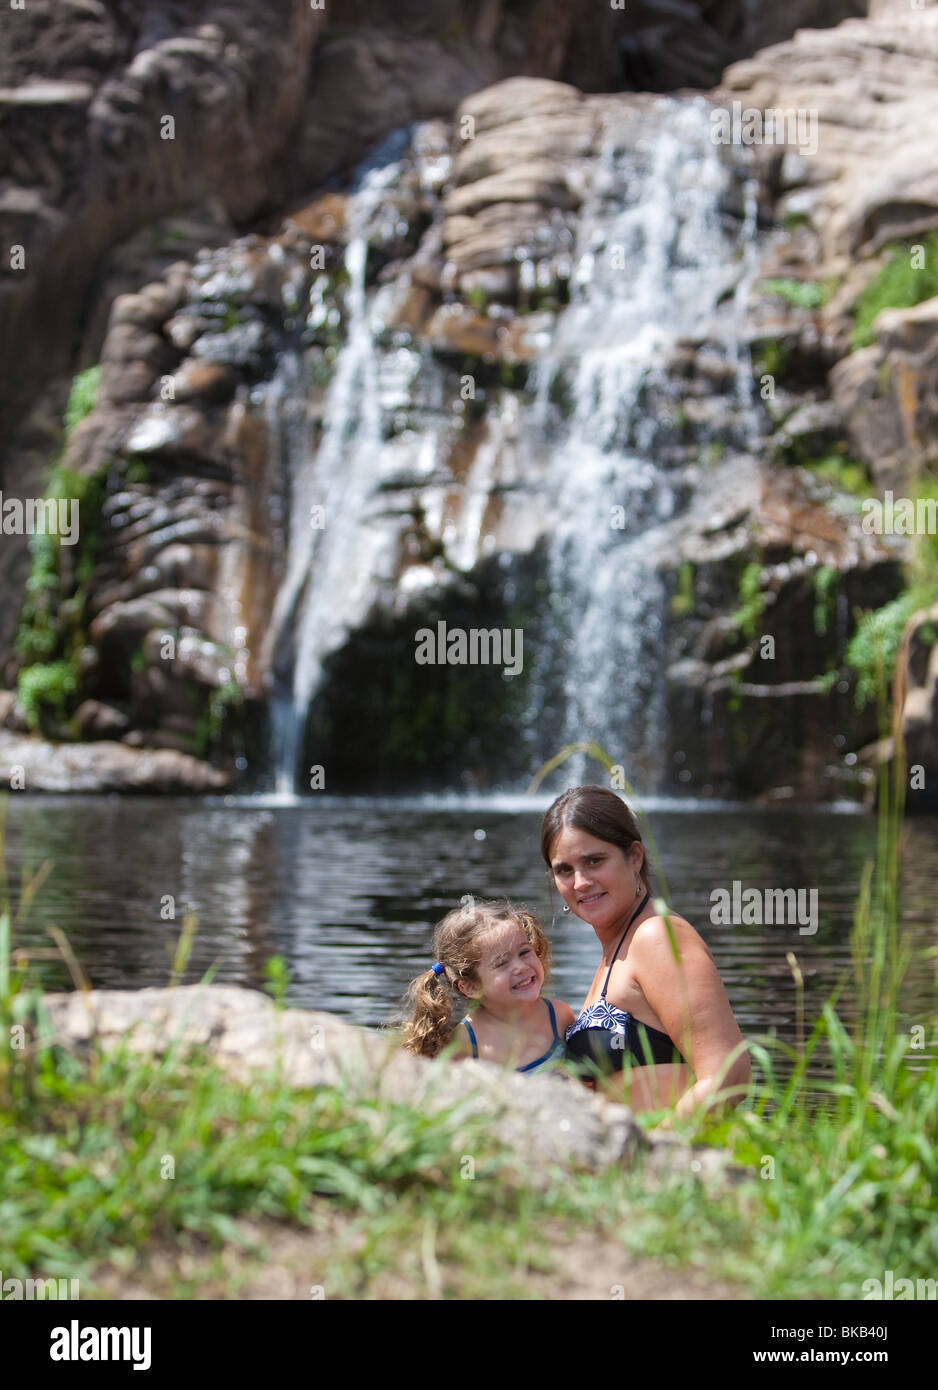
column 438, row 968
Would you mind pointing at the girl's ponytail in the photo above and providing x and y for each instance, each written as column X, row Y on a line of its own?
column 430, row 1004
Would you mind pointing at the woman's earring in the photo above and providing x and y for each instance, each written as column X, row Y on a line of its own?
column 566, row 907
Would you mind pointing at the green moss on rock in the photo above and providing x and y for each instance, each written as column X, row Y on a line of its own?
column 908, row 277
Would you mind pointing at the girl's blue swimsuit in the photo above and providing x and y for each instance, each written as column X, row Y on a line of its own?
column 554, row 1053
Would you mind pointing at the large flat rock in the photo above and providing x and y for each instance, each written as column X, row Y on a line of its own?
column 545, row 1120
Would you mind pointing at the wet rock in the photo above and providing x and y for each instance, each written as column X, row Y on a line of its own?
column 91, row 148
column 163, row 429
column 748, row 711
column 128, row 382
column 515, row 183
column 888, row 396
column 7, row 702
column 196, row 658
column 126, row 623
column 149, row 307
column 215, row 382
column 185, row 328
column 245, row 345
column 322, row 220
column 865, row 80
column 96, row 720
column 103, row 767
column 917, row 698
column 456, row 328
column 812, row 430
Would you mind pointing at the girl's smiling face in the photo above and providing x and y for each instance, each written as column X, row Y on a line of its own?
column 596, row 880
column 509, row 973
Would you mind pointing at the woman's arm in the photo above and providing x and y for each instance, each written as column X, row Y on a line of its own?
column 690, row 998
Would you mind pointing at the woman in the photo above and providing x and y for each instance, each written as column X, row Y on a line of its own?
column 656, row 998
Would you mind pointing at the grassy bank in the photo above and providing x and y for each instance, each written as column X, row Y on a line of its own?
column 105, row 1163
column 171, row 1178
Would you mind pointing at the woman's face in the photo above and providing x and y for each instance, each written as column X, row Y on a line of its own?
column 596, row 880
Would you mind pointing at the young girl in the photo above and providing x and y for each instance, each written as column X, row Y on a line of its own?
column 497, row 956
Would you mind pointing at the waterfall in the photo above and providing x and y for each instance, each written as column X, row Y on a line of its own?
column 657, row 263
column 660, row 261
column 332, row 555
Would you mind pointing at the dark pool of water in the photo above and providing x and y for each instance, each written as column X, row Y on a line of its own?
column 348, row 892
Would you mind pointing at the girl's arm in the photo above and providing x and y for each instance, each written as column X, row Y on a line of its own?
column 565, row 1015
column 460, row 1044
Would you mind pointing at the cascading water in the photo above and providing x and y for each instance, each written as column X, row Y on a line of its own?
column 332, row 554
column 657, row 260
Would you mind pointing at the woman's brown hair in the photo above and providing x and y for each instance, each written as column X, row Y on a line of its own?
column 432, row 998
column 598, row 812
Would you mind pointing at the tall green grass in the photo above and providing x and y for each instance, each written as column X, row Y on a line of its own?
column 844, row 1162
column 113, row 1155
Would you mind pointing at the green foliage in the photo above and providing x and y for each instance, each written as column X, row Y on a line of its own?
column 682, row 604
column 873, row 648
column 794, row 220
column 801, row 294
column 81, row 398
column 842, row 472
column 48, row 685
column 838, row 1172
column 51, row 630
column 826, row 583
column 513, row 375
column 752, row 600
column 774, row 359
column 277, row 978
column 827, row 682
column 899, row 285
column 478, row 299
column 137, row 472
column 38, row 631
column 222, row 701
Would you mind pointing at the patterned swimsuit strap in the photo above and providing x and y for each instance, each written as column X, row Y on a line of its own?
column 621, row 939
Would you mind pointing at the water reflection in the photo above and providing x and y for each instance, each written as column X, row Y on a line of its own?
column 348, row 893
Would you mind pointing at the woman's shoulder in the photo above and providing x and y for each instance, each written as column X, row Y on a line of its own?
column 662, row 932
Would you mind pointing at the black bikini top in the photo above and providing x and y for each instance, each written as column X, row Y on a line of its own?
column 602, row 1034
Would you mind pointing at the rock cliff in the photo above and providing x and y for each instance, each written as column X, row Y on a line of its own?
column 219, row 359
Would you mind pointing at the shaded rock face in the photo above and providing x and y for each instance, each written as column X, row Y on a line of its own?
column 289, row 375
column 888, row 397
column 261, row 109
column 215, row 373
column 134, row 116
column 753, row 690
column 867, row 186
column 918, row 707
